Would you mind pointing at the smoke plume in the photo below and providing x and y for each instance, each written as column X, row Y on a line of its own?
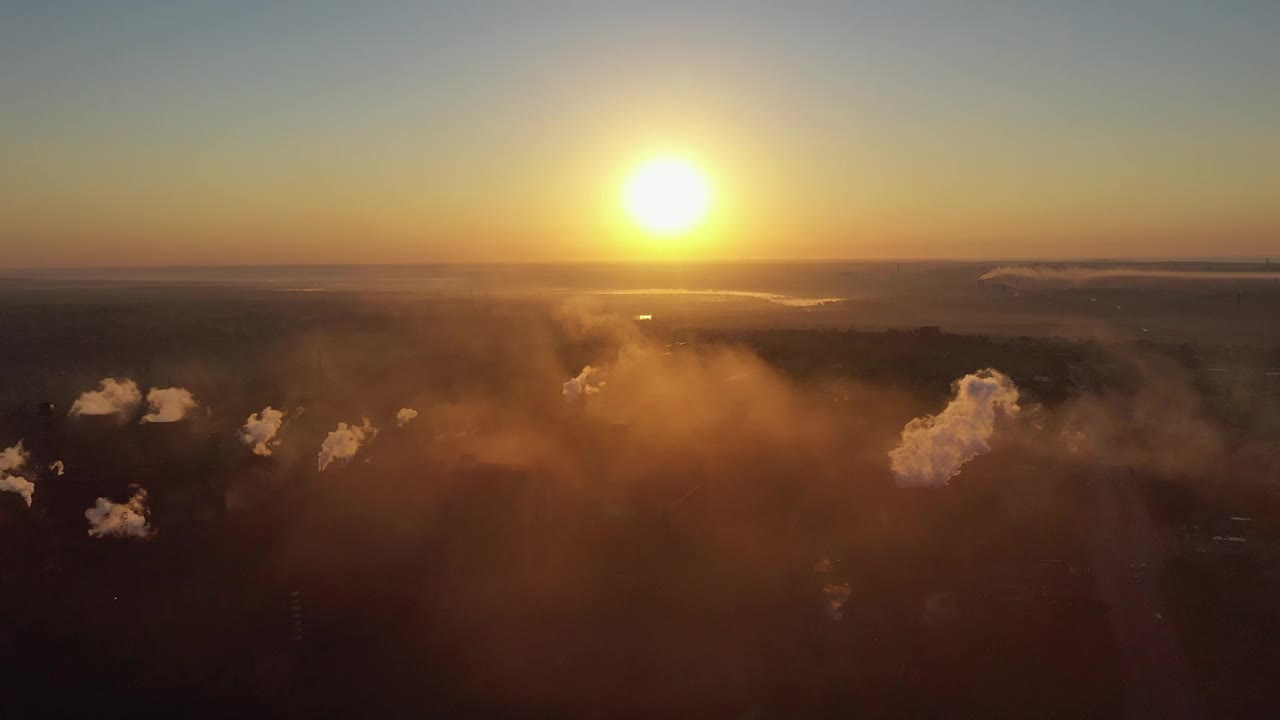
column 57, row 467
column 260, row 430
column 116, row 396
column 1084, row 274
column 11, row 460
column 343, row 443
column 18, row 484
column 405, row 416
column 836, row 595
column 124, row 520
column 168, row 405
column 582, row 384
column 935, row 447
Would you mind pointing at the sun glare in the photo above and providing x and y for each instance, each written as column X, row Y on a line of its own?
column 667, row 196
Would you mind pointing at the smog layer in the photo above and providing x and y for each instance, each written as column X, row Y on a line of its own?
column 572, row 502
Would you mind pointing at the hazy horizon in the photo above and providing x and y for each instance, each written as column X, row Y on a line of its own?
column 1030, row 260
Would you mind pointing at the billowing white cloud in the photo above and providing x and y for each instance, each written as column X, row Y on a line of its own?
column 115, row 396
column 342, row 444
column 935, row 447
column 11, row 460
column 168, row 405
column 582, row 384
column 260, row 430
column 404, row 416
column 124, row 520
column 18, row 484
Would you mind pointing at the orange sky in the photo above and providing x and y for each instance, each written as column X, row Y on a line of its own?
column 500, row 136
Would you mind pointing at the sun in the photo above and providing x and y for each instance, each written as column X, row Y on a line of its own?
column 667, row 196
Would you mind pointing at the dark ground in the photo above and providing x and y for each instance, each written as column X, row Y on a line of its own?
column 446, row 578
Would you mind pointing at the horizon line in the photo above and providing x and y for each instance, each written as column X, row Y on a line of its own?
column 1236, row 259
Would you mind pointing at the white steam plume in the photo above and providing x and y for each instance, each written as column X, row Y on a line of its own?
column 342, row 444
column 124, row 520
column 935, row 447
column 11, row 460
column 1078, row 274
column 582, row 385
column 260, row 430
column 116, row 397
column 18, row 484
column 166, row 405
column 57, row 467
column 405, row 416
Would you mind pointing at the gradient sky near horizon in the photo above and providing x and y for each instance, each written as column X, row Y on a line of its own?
column 164, row 133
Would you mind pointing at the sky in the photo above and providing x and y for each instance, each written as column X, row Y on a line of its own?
column 195, row 133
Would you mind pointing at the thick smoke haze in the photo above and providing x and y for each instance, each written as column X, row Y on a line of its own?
column 167, row 405
column 1160, row 426
column 935, row 447
column 752, row 468
column 114, row 397
column 120, row 520
column 714, row 468
column 404, row 416
column 344, row 442
column 260, row 430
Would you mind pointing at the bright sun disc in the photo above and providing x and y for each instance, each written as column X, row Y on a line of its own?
column 667, row 196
